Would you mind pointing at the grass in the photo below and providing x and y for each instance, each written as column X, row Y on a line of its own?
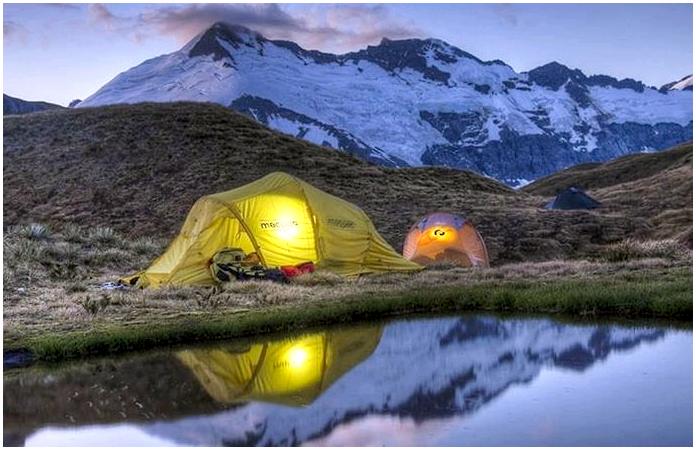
column 53, row 304
column 635, row 298
column 629, row 249
column 138, row 169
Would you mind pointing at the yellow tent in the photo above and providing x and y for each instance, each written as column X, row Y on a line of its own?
column 290, row 372
column 285, row 221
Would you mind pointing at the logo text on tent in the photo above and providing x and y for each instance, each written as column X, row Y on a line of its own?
column 341, row 223
column 275, row 224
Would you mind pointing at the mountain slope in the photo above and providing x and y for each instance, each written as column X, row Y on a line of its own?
column 13, row 105
column 656, row 186
column 139, row 168
column 617, row 171
column 419, row 102
column 684, row 84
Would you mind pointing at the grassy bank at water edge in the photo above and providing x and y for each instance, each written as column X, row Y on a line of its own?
column 54, row 305
column 670, row 298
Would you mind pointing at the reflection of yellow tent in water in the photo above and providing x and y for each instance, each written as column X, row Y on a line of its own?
column 291, row 371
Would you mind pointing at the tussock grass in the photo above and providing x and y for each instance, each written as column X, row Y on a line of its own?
column 103, row 235
column 633, row 249
column 318, row 278
column 34, row 231
column 72, row 233
column 93, row 304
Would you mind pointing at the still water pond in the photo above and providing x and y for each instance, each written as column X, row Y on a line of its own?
column 469, row 380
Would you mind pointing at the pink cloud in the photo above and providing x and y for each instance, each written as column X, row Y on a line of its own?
column 335, row 28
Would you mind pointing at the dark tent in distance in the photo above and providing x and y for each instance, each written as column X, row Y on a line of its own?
column 573, row 198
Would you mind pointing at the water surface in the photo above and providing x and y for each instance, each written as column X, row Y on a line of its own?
column 469, row 380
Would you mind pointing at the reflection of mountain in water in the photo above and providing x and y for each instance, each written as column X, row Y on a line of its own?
column 420, row 370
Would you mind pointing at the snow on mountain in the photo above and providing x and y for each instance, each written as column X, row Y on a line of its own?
column 685, row 84
column 415, row 102
column 462, row 365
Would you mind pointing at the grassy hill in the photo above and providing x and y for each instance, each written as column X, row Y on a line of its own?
column 139, row 168
column 621, row 170
column 13, row 105
column 656, row 186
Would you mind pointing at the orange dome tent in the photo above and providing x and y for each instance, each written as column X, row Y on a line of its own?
column 443, row 237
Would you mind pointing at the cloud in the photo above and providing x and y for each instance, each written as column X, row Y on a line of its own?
column 335, row 28
column 130, row 27
column 100, row 14
column 14, row 32
column 347, row 27
column 69, row 6
column 185, row 22
column 506, row 12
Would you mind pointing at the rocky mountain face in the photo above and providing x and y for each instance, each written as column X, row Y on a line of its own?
column 416, row 102
column 13, row 105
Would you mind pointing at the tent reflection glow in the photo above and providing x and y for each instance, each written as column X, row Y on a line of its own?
column 297, row 356
column 291, row 371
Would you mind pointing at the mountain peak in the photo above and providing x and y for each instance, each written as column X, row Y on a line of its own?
column 209, row 42
column 226, row 28
column 554, row 75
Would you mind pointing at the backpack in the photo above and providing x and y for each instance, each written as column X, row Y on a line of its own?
column 226, row 264
column 233, row 264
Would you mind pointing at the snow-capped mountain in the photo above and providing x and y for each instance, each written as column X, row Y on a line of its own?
column 684, row 84
column 415, row 102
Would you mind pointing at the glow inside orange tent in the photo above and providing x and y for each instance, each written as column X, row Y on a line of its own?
column 442, row 237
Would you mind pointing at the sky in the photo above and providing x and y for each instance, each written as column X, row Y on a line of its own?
column 61, row 52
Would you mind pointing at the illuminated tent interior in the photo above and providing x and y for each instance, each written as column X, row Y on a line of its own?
column 443, row 237
column 286, row 222
column 291, row 371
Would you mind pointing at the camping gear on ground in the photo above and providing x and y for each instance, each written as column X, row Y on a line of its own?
column 445, row 238
column 292, row 372
column 573, row 198
column 285, row 221
column 226, row 265
column 231, row 264
column 299, row 269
